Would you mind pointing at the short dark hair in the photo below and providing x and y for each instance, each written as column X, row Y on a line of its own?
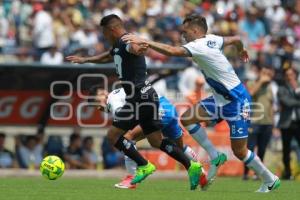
column 108, row 18
column 195, row 19
column 31, row 137
column 93, row 92
column 86, row 139
column 73, row 137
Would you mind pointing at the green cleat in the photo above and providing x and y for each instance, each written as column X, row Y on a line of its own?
column 215, row 164
column 142, row 172
column 194, row 172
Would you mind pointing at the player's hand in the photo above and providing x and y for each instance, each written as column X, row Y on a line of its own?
column 76, row 59
column 131, row 38
column 244, row 55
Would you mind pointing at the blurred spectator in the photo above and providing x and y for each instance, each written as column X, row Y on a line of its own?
column 111, row 157
column 3, row 29
column 253, row 28
column 73, row 25
column 289, row 123
column 42, row 30
column 188, row 79
column 224, row 6
column 23, row 55
column 276, row 15
column 54, row 146
column 198, row 93
column 74, row 155
column 262, row 113
column 90, row 156
column 7, row 159
column 52, row 57
column 30, row 154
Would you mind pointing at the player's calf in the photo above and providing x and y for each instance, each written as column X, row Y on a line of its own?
column 270, row 181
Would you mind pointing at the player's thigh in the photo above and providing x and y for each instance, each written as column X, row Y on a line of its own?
column 194, row 114
column 172, row 129
column 204, row 111
column 114, row 133
column 135, row 134
column 147, row 112
column 124, row 118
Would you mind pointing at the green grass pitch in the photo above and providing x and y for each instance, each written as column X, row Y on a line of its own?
column 102, row 189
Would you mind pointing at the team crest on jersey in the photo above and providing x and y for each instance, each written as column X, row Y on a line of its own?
column 211, row 44
column 246, row 110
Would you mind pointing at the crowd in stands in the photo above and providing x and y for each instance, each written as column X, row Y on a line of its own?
column 46, row 31
column 80, row 153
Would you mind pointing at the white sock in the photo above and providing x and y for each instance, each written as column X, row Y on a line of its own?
column 130, row 165
column 190, row 153
column 252, row 161
column 199, row 134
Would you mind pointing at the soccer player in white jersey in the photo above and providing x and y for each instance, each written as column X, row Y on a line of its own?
column 230, row 100
column 171, row 129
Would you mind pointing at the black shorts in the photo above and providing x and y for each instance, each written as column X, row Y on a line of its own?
column 141, row 110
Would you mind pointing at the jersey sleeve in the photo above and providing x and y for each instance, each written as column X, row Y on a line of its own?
column 194, row 48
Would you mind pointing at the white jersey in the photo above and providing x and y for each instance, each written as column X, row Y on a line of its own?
column 218, row 72
column 116, row 100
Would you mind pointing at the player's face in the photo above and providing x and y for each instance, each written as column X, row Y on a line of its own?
column 290, row 75
column 188, row 32
column 101, row 99
column 107, row 33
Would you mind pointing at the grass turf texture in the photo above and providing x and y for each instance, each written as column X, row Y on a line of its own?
column 102, row 189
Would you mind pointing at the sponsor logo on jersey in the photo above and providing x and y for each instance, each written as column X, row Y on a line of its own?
column 145, row 89
column 116, row 91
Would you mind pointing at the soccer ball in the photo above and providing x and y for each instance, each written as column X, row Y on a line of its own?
column 52, row 167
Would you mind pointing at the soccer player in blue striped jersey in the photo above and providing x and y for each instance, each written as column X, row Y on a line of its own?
column 230, row 100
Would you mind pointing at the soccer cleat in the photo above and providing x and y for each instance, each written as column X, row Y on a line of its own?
column 142, row 172
column 203, row 182
column 268, row 187
column 215, row 164
column 126, row 183
column 194, row 171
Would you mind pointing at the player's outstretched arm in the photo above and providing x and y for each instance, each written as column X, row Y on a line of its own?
column 101, row 58
column 160, row 47
column 237, row 42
